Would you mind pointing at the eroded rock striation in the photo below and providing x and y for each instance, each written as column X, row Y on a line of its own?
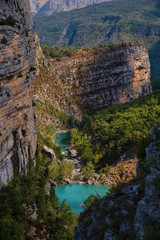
column 17, row 57
column 99, row 78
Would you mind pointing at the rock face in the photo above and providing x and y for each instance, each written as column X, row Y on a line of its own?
column 39, row 54
column 17, row 57
column 48, row 7
column 100, row 78
column 129, row 213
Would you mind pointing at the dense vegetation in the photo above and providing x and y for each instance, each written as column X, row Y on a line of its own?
column 56, row 52
column 114, row 130
column 27, row 195
column 107, row 23
column 156, row 84
column 60, row 169
column 26, row 205
column 65, row 120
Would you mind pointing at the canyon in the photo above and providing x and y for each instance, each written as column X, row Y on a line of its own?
column 18, row 131
column 95, row 79
column 87, row 82
column 91, row 80
column 70, row 84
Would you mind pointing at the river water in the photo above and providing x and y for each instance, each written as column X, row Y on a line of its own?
column 62, row 140
column 75, row 194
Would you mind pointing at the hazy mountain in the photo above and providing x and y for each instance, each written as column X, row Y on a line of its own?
column 36, row 5
column 47, row 7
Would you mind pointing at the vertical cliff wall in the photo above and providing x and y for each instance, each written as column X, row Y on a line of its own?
column 95, row 79
column 17, row 57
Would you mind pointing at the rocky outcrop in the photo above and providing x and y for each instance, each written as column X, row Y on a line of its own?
column 95, row 79
column 131, row 212
column 39, row 54
column 17, row 120
column 48, row 7
column 49, row 152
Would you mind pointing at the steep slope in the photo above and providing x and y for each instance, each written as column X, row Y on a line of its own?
column 17, row 58
column 136, row 21
column 94, row 79
column 48, row 7
column 130, row 212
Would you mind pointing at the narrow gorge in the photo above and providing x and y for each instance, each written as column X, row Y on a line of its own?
column 101, row 98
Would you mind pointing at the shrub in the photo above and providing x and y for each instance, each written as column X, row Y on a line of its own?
column 92, row 200
column 32, row 69
column 4, row 41
column 152, row 233
column 88, row 171
column 10, row 229
column 8, row 21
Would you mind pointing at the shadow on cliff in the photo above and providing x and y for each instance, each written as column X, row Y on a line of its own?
column 154, row 55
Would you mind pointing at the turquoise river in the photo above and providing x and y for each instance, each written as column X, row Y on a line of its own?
column 75, row 194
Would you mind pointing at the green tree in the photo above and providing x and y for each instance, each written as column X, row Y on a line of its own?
column 87, row 154
column 90, row 201
column 88, row 171
column 10, row 229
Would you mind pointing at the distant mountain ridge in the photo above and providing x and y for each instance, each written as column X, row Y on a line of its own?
column 48, row 7
column 136, row 21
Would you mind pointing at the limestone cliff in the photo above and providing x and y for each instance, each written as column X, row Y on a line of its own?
column 95, row 79
column 17, row 57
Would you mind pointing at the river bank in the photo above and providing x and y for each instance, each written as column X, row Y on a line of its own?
column 121, row 173
column 76, row 194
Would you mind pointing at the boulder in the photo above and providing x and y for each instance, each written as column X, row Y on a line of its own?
column 89, row 182
column 53, row 183
column 67, row 180
column 72, row 152
column 49, row 152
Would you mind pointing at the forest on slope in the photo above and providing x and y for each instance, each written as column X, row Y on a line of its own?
column 112, row 131
column 24, row 202
column 106, row 23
